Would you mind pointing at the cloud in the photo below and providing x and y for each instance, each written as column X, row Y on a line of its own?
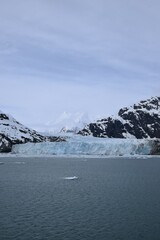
column 91, row 56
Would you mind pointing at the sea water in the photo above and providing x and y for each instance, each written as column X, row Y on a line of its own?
column 80, row 198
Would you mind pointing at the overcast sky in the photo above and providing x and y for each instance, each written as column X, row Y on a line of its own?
column 91, row 56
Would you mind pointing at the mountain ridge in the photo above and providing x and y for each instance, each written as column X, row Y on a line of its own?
column 142, row 120
column 66, row 122
column 13, row 132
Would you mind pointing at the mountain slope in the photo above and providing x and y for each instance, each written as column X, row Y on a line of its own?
column 16, row 132
column 142, row 120
column 66, row 122
column 13, row 132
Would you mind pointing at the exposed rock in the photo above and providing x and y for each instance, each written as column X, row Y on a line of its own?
column 156, row 148
column 5, row 144
column 55, row 139
column 141, row 120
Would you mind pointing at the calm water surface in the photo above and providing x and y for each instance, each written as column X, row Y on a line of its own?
column 115, row 199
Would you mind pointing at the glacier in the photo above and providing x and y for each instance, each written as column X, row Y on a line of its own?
column 86, row 146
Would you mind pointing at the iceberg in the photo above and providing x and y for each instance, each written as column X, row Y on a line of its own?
column 70, row 178
column 87, row 146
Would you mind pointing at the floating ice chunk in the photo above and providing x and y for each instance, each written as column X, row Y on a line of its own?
column 71, row 178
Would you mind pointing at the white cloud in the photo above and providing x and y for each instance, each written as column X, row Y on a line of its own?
column 90, row 56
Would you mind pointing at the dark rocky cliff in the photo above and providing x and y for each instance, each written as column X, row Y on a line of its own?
column 142, row 120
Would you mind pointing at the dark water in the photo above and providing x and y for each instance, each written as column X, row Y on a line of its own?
column 111, row 199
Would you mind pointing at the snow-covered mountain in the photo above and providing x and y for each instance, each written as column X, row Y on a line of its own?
column 12, row 132
column 17, row 132
column 142, row 120
column 66, row 122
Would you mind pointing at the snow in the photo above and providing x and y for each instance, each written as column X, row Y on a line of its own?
column 15, row 130
column 66, row 121
column 70, row 178
column 128, row 135
column 88, row 146
column 126, row 116
column 10, row 126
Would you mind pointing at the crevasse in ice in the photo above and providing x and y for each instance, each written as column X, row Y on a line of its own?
column 78, row 145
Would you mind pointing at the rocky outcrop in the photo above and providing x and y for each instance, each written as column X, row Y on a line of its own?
column 13, row 132
column 55, row 139
column 5, row 144
column 142, row 120
column 156, row 148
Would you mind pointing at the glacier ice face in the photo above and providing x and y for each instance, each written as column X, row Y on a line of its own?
column 80, row 146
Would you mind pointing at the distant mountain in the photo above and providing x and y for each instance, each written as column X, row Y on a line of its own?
column 67, row 122
column 13, row 132
column 142, row 120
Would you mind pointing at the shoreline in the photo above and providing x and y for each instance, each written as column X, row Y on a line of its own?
column 11, row 155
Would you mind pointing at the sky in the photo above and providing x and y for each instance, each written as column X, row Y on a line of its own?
column 91, row 56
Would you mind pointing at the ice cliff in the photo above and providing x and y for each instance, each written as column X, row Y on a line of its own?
column 80, row 146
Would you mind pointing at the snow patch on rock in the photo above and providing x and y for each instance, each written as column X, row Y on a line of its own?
column 142, row 120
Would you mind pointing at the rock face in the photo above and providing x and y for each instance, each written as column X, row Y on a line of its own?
column 156, row 148
column 142, row 120
column 5, row 144
column 13, row 132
